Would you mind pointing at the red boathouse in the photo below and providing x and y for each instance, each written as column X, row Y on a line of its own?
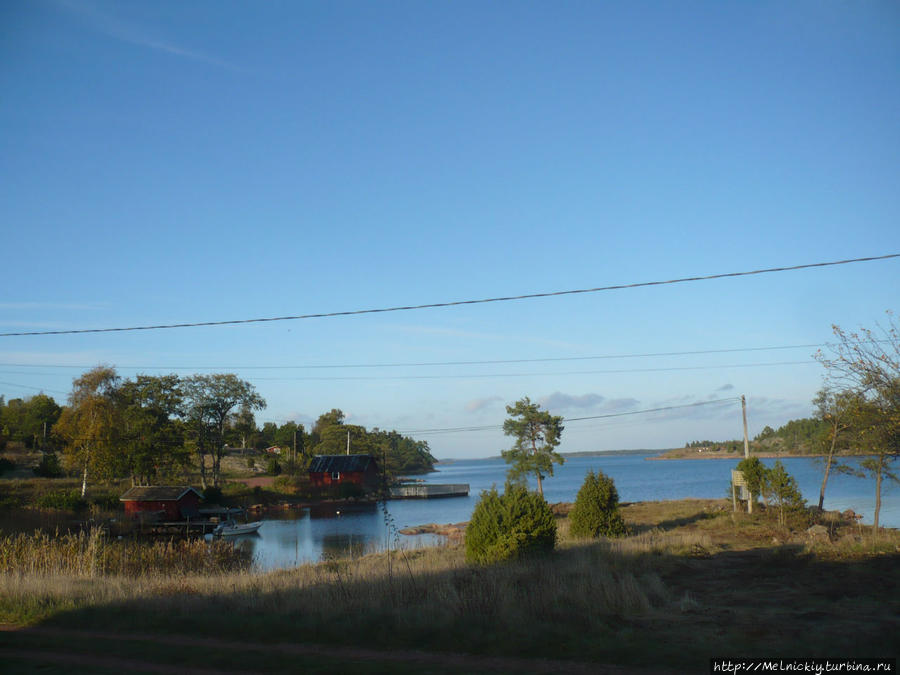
column 170, row 502
column 326, row 470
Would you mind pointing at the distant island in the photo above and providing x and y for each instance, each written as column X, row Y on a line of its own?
column 605, row 453
column 803, row 437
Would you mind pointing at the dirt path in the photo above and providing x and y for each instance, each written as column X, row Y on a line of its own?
column 464, row 663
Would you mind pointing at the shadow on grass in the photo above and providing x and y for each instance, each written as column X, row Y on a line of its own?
column 582, row 603
column 673, row 523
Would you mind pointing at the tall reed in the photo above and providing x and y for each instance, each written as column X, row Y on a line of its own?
column 91, row 554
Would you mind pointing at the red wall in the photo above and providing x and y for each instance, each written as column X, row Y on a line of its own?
column 171, row 508
column 321, row 479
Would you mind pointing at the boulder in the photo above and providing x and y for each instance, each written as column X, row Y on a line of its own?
column 817, row 532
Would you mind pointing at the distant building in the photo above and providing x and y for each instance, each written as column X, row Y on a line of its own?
column 327, row 470
column 168, row 502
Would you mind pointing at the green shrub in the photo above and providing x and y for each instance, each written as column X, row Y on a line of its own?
column 273, row 467
column 755, row 474
column 596, row 510
column 67, row 500
column 49, row 466
column 782, row 488
column 508, row 526
column 107, row 502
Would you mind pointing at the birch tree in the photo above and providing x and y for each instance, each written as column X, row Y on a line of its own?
column 88, row 425
column 866, row 365
column 834, row 410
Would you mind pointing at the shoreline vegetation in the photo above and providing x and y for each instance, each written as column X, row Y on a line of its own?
column 691, row 453
column 819, row 584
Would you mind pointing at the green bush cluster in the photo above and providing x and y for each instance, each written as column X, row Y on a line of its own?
column 596, row 510
column 775, row 485
column 49, row 466
column 515, row 524
column 781, row 488
column 273, row 467
column 67, row 500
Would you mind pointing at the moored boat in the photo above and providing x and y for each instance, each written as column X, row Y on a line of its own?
column 230, row 528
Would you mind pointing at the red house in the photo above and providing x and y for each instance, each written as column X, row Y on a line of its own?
column 171, row 503
column 327, row 470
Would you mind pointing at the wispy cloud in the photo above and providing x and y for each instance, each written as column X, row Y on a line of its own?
column 44, row 325
column 78, row 306
column 479, row 404
column 48, row 359
column 120, row 30
column 590, row 402
column 726, row 387
column 560, row 401
column 300, row 418
column 777, row 408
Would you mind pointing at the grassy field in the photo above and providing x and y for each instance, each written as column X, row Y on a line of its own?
column 692, row 581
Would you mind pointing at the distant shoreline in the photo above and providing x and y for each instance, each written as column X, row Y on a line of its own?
column 740, row 455
column 586, row 453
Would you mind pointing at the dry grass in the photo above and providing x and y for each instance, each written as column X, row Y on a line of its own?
column 688, row 569
column 92, row 554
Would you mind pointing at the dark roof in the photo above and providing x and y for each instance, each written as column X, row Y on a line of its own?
column 161, row 493
column 340, row 463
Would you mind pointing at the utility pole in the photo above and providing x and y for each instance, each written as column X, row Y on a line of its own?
column 746, row 450
column 746, row 440
column 348, row 442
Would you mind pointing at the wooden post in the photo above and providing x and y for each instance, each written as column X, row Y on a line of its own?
column 738, row 480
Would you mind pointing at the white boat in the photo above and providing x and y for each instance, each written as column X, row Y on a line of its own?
column 230, row 528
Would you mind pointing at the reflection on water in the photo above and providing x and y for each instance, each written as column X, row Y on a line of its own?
column 323, row 511
column 344, row 545
column 326, row 531
column 290, row 538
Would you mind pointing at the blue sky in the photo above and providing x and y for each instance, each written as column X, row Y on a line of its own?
column 181, row 162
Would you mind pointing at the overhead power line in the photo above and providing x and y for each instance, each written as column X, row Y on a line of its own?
column 488, row 427
column 454, row 303
column 464, row 376
column 40, row 389
column 414, row 364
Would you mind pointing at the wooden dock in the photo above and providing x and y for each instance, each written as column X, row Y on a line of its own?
column 429, row 491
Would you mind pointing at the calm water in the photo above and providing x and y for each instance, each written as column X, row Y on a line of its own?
column 324, row 532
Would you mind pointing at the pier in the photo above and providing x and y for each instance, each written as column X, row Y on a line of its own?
column 429, row 491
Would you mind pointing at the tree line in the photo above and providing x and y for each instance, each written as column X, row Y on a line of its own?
column 153, row 429
column 803, row 436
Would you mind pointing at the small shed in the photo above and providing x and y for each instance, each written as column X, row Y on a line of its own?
column 325, row 470
column 171, row 502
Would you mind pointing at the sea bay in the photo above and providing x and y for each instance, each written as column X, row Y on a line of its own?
column 329, row 531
